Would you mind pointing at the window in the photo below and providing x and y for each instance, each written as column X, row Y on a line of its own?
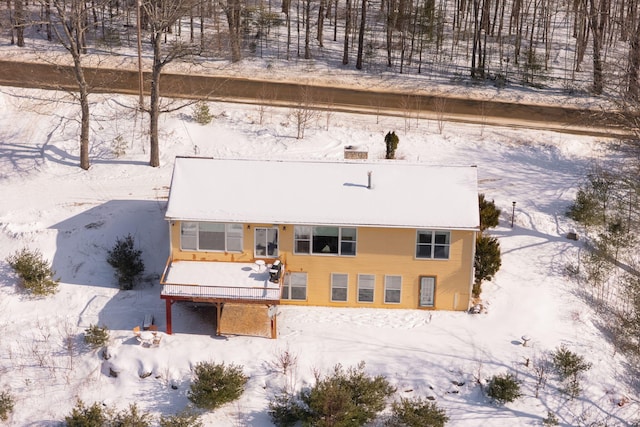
column 211, row 236
column 433, row 244
column 339, row 287
column 266, row 242
column 325, row 240
column 295, row 286
column 366, row 287
column 392, row 289
column 427, row 291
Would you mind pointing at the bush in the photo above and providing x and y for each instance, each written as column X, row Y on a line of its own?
column 503, row 388
column 36, row 275
column 284, row 410
column 488, row 260
column 416, row 412
column 185, row 418
column 201, row 113
column 131, row 418
column 81, row 416
column 127, row 262
column 96, row 336
column 586, row 209
column 216, row 384
column 551, row 419
column 569, row 365
column 6, row 405
column 349, row 398
column 391, row 141
column 489, row 214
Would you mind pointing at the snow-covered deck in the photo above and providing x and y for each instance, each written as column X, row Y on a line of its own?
column 218, row 281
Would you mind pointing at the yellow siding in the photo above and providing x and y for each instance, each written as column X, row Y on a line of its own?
column 380, row 252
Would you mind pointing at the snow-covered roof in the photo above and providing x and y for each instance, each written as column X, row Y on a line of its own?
column 402, row 194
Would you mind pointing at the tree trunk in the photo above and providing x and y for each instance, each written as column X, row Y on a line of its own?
column 347, row 30
column 233, row 10
column 363, row 26
column 321, row 13
column 307, row 29
column 19, row 22
column 633, row 75
column 154, row 102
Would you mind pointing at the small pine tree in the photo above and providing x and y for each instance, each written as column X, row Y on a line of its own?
column 416, row 412
column 391, row 141
column 127, row 262
column 81, row 416
column 201, row 113
column 569, row 366
column 132, row 417
column 35, row 273
column 186, row 418
column 350, row 398
column 96, row 336
column 489, row 214
column 586, row 209
column 487, row 261
column 216, row 384
column 503, row 388
column 6, row 405
column 284, row 410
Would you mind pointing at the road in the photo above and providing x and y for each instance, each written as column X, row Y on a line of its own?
column 286, row 94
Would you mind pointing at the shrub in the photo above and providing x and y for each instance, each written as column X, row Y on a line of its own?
column 127, row 262
column 201, row 113
column 216, row 384
column 284, row 410
column 96, row 336
column 569, row 365
column 503, row 388
column 551, row 420
column 131, row 418
column 81, row 416
column 391, row 141
column 6, row 405
column 488, row 260
column 586, row 209
column 416, row 412
column 35, row 273
column 185, row 418
column 489, row 214
column 349, row 398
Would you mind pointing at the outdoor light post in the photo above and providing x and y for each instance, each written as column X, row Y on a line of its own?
column 513, row 212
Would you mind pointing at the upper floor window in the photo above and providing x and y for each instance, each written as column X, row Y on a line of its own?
column 325, row 240
column 210, row 236
column 433, row 244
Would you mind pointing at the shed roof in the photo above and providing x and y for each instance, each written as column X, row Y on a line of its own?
column 402, row 194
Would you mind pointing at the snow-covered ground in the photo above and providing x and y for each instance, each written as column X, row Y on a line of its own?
column 74, row 217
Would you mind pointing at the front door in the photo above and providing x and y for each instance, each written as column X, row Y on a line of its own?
column 427, row 291
column 266, row 242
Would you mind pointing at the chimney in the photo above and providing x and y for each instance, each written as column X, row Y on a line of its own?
column 369, row 180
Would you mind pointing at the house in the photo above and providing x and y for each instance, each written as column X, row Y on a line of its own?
column 384, row 234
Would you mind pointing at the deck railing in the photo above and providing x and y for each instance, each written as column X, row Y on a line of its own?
column 223, row 292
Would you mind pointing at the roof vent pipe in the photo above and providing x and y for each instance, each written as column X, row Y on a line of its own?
column 369, row 180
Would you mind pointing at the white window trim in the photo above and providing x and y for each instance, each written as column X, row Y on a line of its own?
column 266, row 255
column 310, row 242
column 433, row 244
column 362, row 279
column 386, row 288
column 227, row 227
column 288, row 287
column 346, row 287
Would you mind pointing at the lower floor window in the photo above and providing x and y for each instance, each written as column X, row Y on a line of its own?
column 392, row 289
column 339, row 287
column 295, row 286
column 366, row 287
